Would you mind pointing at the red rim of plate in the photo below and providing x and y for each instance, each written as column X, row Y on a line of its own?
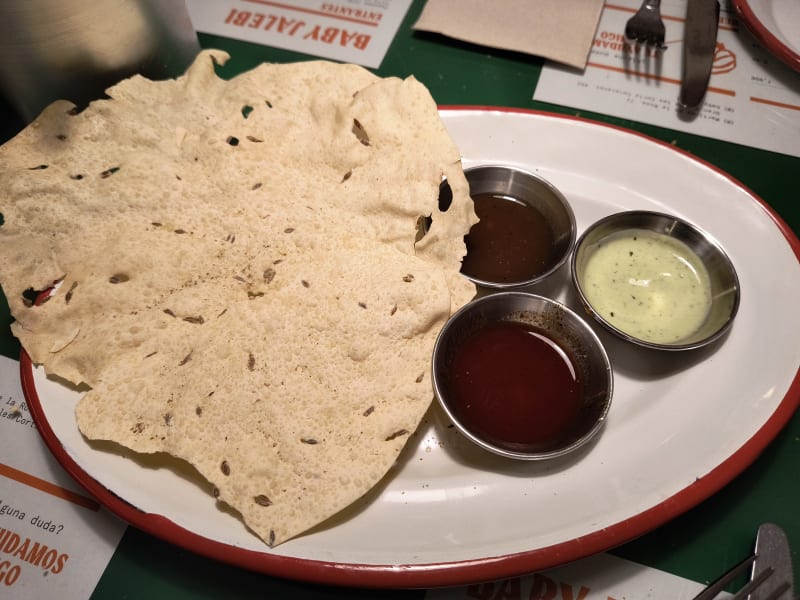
column 765, row 36
column 447, row 573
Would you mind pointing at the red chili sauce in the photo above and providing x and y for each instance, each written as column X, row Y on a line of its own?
column 512, row 242
column 514, row 387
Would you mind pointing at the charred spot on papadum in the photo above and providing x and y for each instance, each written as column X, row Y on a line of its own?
column 70, row 292
column 109, row 172
column 262, row 500
column 360, row 133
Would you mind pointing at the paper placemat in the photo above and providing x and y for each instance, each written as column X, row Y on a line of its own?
column 753, row 98
column 348, row 32
column 598, row 577
column 55, row 539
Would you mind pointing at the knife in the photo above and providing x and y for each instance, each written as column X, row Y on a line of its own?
column 699, row 44
column 772, row 551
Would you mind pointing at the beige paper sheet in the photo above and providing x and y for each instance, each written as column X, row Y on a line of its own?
column 561, row 30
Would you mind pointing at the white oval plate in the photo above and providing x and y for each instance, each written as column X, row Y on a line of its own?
column 680, row 426
column 776, row 24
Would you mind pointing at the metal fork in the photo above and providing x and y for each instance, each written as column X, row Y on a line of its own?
column 719, row 584
column 646, row 26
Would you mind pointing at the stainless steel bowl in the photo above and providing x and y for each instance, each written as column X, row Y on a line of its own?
column 527, row 188
column 724, row 292
column 576, row 339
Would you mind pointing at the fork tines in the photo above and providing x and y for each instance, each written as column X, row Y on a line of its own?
column 646, row 27
column 719, row 584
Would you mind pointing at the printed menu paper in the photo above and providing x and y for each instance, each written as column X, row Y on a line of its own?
column 753, row 98
column 55, row 539
column 352, row 31
column 599, row 577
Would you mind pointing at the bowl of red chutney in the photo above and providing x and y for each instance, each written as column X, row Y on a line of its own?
column 522, row 376
column 526, row 228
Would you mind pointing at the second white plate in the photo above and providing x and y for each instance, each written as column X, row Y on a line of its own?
column 776, row 24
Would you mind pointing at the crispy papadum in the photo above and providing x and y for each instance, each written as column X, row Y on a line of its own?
column 240, row 277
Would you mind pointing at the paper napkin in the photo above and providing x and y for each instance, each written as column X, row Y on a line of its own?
column 561, row 30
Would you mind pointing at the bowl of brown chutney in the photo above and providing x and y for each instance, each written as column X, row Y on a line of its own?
column 526, row 229
column 522, row 376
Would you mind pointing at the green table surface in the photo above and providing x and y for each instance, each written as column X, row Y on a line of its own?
column 699, row 545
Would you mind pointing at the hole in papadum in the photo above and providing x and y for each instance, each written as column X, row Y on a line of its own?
column 34, row 297
column 445, row 196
